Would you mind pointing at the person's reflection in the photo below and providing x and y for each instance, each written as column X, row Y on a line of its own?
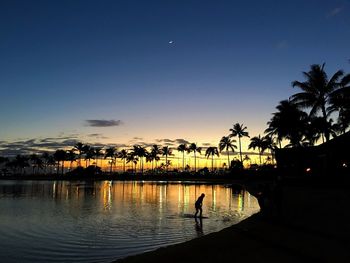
column 199, row 226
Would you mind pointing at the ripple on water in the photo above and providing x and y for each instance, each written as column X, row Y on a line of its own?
column 99, row 222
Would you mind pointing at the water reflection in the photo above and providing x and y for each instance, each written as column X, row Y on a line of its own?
column 100, row 221
column 199, row 226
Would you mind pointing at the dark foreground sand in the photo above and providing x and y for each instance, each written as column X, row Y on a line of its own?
column 313, row 226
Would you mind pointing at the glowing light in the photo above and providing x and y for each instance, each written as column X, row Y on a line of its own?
column 308, row 170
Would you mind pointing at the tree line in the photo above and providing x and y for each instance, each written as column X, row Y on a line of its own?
column 318, row 112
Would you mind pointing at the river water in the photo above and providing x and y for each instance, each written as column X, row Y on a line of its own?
column 78, row 221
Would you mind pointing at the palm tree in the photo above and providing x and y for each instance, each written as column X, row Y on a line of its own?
column 71, row 157
column 155, row 152
column 212, row 151
column 269, row 144
column 123, row 154
column 227, row 144
column 313, row 131
column 45, row 157
column 60, row 156
column 150, row 159
column 194, row 148
column 97, row 151
column 340, row 101
column 317, row 90
column 49, row 160
column 289, row 122
column 89, row 153
column 239, row 131
column 166, row 151
column 257, row 142
column 33, row 160
column 111, row 153
column 80, row 147
column 133, row 158
column 141, row 152
column 182, row 148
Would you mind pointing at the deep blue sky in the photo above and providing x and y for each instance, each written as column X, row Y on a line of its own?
column 65, row 62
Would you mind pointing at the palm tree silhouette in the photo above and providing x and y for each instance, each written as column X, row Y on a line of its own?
column 289, row 122
column 111, row 152
column 21, row 162
column 141, row 152
column 166, row 151
column 194, row 148
column 97, row 153
column 269, row 144
column 227, row 144
column 155, row 152
column 182, row 148
column 150, row 159
column 36, row 162
column 317, row 91
column 257, row 142
column 239, row 131
column 340, row 101
column 49, row 161
column 123, row 154
column 60, row 156
column 211, row 151
column 80, row 147
column 71, row 157
column 89, row 153
column 133, row 158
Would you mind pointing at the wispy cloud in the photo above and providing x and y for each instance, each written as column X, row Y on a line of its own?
column 335, row 11
column 103, row 123
column 182, row 141
column 36, row 145
column 97, row 136
column 40, row 145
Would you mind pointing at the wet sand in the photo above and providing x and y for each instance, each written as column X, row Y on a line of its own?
column 312, row 226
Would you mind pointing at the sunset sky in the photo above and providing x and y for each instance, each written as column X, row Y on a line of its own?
column 126, row 72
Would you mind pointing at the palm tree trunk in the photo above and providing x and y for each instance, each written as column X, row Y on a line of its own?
column 260, row 155
column 228, row 159
column 183, row 161
column 240, row 148
column 325, row 130
column 124, row 166
column 166, row 162
column 212, row 163
column 142, row 165
column 195, row 162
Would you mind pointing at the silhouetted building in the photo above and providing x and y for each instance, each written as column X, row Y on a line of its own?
column 331, row 158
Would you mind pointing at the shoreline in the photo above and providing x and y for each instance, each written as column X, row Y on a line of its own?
column 312, row 227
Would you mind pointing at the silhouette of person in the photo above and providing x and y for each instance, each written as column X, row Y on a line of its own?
column 198, row 205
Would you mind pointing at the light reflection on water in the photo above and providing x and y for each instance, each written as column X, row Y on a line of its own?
column 63, row 221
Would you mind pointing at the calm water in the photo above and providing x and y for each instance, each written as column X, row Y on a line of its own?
column 48, row 221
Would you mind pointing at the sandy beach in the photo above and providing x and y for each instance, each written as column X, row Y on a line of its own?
column 312, row 226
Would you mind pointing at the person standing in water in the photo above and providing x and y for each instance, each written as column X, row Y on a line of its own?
column 198, row 205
